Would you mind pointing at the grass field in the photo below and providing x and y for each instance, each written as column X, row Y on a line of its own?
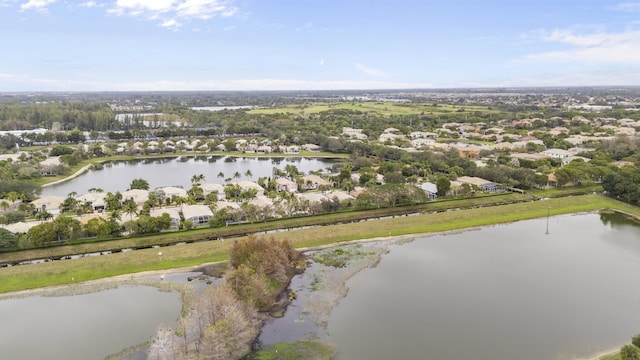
column 384, row 109
column 71, row 271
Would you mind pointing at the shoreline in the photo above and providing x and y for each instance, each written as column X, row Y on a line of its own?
column 385, row 242
column 80, row 171
column 87, row 167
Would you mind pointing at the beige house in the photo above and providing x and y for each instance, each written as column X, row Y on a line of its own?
column 199, row 215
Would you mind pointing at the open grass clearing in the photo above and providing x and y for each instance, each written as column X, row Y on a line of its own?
column 380, row 108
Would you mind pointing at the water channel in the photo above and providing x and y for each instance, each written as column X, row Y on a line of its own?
column 116, row 176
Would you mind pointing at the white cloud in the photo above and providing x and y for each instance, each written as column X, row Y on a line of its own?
column 4, row 3
column 629, row 6
column 171, row 24
column 369, row 71
column 39, row 5
column 321, row 62
column 204, row 9
column 9, row 82
column 307, row 26
column 165, row 10
column 594, row 48
column 90, row 4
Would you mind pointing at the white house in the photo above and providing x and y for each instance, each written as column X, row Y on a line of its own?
column 312, row 182
column 287, row 185
column 430, row 189
column 208, row 188
column 172, row 212
column 138, row 196
column 199, row 215
column 556, row 153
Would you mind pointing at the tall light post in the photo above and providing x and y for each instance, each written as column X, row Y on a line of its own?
column 548, row 213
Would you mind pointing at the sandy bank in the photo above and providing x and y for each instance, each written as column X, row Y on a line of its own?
column 81, row 171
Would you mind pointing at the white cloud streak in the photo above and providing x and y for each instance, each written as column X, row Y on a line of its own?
column 166, row 11
column 369, row 71
column 594, row 48
column 628, row 7
column 38, row 5
column 10, row 82
column 90, row 4
column 171, row 24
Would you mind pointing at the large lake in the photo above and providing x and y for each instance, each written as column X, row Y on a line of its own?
column 116, row 176
column 502, row 292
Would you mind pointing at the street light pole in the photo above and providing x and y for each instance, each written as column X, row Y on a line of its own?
column 548, row 213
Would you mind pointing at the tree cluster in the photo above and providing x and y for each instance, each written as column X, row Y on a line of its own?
column 631, row 351
column 223, row 321
column 623, row 184
column 218, row 326
column 261, row 269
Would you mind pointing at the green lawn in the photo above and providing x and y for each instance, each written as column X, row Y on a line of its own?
column 383, row 109
column 70, row 271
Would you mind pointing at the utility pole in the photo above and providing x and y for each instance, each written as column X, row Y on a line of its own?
column 548, row 213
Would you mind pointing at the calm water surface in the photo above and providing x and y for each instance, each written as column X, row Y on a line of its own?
column 117, row 176
column 502, row 292
column 90, row 326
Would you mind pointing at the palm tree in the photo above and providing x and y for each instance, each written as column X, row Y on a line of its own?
column 115, row 215
column 43, row 215
column 197, row 179
column 130, row 208
column 153, row 199
column 221, row 175
column 237, row 175
column 180, row 201
column 4, row 205
column 13, row 196
column 248, row 174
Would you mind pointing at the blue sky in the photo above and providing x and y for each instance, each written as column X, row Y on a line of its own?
column 57, row 45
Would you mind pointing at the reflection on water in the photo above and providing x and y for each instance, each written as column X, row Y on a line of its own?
column 502, row 292
column 159, row 172
column 89, row 326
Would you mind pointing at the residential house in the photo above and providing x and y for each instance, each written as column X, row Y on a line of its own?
column 208, row 188
column 556, row 153
column 312, row 182
column 312, row 147
column 244, row 185
column 51, row 204
column 173, row 214
column 138, row 196
column 482, row 184
column 430, row 189
column 172, row 191
column 95, row 199
column 353, row 133
column 199, row 215
column 286, row 185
